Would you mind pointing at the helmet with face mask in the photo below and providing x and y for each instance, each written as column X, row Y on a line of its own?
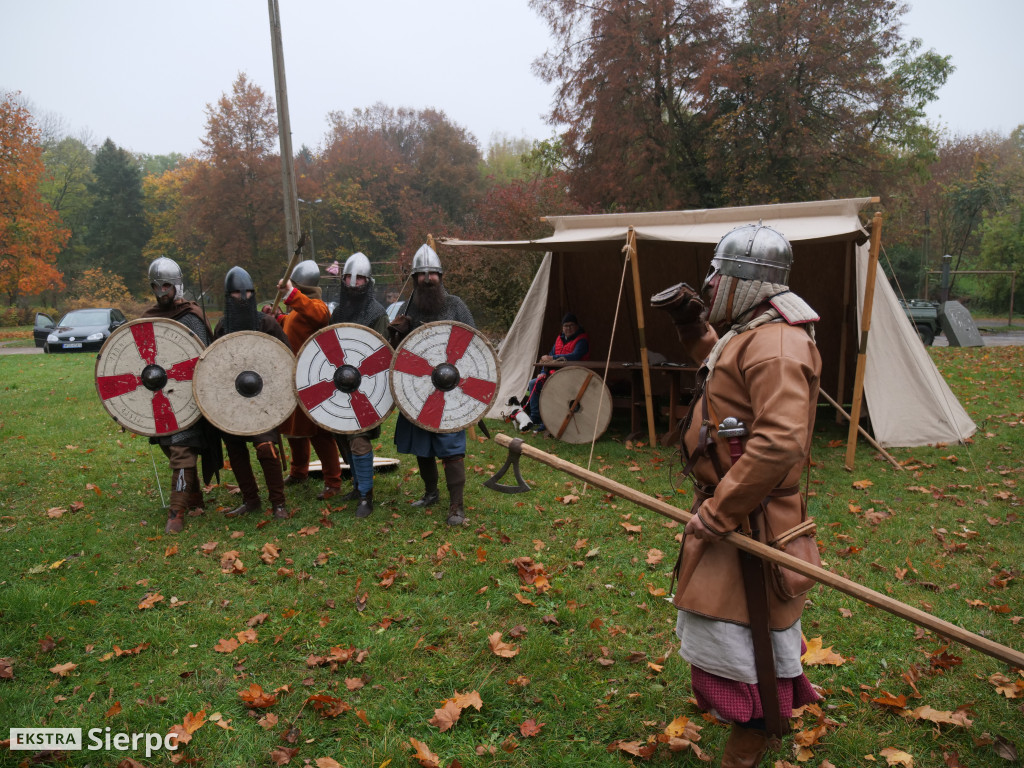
column 164, row 271
column 753, row 252
column 240, row 313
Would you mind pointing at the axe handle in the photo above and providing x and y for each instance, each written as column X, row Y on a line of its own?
column 952, row 631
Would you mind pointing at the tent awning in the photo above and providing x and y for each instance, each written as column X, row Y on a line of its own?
column 820, row 220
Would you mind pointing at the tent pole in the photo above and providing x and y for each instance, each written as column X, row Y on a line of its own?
column 864, row 433
column 862, row 353
column 844, row 327
column 638, row 298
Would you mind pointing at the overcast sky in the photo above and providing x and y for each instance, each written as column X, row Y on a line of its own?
column 141, row 72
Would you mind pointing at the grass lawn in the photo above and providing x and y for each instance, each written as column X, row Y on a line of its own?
column 537, row 635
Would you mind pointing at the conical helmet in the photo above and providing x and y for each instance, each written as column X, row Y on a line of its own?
column 306, row 273
column 426, row 260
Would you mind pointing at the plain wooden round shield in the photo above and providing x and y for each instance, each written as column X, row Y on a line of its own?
column 144, row 376
column 341, row 378
column 444, row 376
column 573, row 402
column 243, row 383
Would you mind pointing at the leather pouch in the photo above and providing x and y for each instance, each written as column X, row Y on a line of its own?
column 800, row 542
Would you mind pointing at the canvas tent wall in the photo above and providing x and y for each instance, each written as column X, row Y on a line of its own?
column 908, row 401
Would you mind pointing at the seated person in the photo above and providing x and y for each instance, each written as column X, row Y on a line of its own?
column 572, row 344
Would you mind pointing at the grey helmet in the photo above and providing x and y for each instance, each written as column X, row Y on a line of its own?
column 753, row 252
column 426, row 260
column 306, row 273
column 357, row 264
column 237, row 279
column 163, row 271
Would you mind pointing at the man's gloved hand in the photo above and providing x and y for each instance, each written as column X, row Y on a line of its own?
column 681, row 302
column 399, row 328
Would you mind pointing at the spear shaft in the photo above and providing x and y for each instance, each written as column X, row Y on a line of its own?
column 952, row 631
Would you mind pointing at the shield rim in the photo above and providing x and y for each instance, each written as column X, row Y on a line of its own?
column 606, row 395
column 295, row 388
column 99, row 357
column 448, row 323
column 199, row 402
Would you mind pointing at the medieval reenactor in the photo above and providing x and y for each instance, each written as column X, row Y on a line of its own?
column 429, row 303
column 308, row 314
column 183, row 449
column 572, row 343
column 759, row 377
column 240, row 314
column 358, row 304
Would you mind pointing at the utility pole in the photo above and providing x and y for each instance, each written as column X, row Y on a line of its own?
column 284, row 131
column 924, row 254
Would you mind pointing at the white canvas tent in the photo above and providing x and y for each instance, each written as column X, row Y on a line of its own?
column 908, row 401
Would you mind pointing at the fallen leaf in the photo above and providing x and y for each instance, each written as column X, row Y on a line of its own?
column 530, row 727
column 115, row 709
column 226, row 645
column 446, row 717
column 426, row 758
column 63, row 669
column 500, row 648
column 327, row 762
column 256, row 697
column 150, row 600
column 897, row 757
column 283, row 755
column 816, row 655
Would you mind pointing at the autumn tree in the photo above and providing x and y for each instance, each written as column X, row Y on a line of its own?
column 820, row 98
column 117, row 227
column 232, row 198
column 65, row 186
column 628, row 77
column 30, row 231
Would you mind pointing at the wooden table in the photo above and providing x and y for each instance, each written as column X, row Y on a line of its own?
column 681, row 378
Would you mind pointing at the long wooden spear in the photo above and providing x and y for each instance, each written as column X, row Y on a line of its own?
column 952, row 631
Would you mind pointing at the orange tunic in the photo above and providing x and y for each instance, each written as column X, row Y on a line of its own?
column 308, row 315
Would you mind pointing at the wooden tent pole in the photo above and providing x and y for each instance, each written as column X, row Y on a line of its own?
column 864, row 433
column 862, row 352
column 845, row 324
column 645, row 366
column 921, row 618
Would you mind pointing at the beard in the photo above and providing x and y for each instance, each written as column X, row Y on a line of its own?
column 430, row 299
column 166, row 301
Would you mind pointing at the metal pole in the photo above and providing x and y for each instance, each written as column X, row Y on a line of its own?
column 284, row 130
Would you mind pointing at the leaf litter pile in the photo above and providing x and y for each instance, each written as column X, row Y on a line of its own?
column 538, row 634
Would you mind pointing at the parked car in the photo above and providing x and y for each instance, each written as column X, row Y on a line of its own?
column 84, row 330
column 44, row 325
column 924, row 315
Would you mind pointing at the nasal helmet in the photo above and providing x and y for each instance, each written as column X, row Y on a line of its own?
column 753, row 252
column 357, row 265
column 426, row 260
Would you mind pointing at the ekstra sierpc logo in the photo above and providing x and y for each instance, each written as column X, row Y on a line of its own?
column 46, row 738
column 98, row 739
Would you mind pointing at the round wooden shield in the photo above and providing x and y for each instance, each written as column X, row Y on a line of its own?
column 573, row 402
column 444, row 376
column 243, row 383
column 144, row 376
column 341, row 378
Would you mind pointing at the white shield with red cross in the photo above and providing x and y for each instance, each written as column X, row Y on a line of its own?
column 341, row 378
column 444, row 376
column 144, row 376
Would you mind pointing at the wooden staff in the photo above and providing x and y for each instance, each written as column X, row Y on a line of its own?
column 995, row 650
column 288, row 273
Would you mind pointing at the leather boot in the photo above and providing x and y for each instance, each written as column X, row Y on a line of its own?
column 245, row 508
column 175, row 521
column 745, row 747
column 196, row 503
column 352, row 495
column 365, row 508
column 456, row 516
column 429, row 499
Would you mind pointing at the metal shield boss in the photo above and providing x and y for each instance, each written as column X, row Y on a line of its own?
column 575, row 404
column 444, row 376
column 144, row 376
column 243, row 383
column 341, row 378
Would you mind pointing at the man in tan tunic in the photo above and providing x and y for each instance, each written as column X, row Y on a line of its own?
column 763, row 371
